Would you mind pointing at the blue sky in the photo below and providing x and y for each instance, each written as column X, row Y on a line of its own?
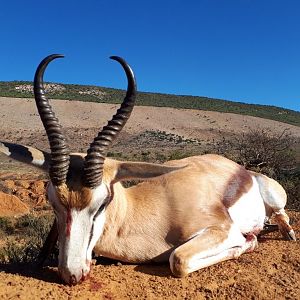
column 241, row 50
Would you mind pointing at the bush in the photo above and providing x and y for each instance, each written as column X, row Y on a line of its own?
column 272, row 154
column 29, row 235
column 6, row 226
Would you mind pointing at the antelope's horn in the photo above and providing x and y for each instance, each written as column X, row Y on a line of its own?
column 94, row 160
column 60, row 157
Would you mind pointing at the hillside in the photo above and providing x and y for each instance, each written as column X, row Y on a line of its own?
column 151, row 134
column 23, row 89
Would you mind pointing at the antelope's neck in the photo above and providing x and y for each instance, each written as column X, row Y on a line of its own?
column 130, row 228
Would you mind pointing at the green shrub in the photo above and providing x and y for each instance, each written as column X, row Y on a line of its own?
column 29, row 235
column 6, row 226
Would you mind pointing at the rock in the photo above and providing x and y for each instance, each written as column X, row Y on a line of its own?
column 11, row 205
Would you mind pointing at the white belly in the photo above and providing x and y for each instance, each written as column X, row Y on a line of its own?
column 249, row 212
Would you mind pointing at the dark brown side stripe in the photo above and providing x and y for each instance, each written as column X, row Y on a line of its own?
column 238, row 185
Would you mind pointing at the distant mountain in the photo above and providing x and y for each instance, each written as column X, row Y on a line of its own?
column 23, row 89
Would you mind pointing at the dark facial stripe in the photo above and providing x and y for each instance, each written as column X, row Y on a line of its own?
column 94, row 218
column 91, row 235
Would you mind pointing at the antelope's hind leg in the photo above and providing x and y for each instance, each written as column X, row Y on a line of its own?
column 275, row 199
column 283, row 222
column 212, row 245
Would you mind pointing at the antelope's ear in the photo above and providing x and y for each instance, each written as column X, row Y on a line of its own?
column 142, row 170
column 25, row 154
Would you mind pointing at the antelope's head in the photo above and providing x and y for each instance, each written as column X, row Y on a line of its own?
column 76, row 191
column 79, row 191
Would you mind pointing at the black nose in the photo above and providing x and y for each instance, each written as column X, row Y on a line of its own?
column 73, row 280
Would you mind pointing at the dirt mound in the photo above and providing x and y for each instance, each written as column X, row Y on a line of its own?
column 30, row 192
column 11, row 205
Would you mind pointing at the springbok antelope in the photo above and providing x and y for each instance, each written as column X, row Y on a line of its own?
column 194, row 212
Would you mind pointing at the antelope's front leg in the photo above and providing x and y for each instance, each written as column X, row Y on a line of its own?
column 210, row 246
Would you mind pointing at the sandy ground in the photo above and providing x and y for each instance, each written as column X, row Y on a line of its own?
column 271, row 272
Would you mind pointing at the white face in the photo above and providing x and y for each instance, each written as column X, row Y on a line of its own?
column 78, row 231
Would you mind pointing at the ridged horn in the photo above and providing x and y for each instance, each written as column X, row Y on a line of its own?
column 60, row 157
column 94, row 160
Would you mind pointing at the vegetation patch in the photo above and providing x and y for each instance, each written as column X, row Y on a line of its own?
column 23, row 237
column 163, row 136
